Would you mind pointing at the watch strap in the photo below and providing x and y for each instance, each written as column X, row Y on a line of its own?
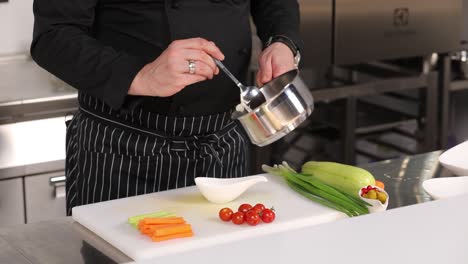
column 285, row 40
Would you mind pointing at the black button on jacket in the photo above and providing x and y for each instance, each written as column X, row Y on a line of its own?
column 98, row 46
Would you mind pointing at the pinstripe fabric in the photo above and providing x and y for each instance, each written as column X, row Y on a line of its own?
column 112, row 156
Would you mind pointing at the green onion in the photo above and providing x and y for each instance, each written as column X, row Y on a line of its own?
column 350, row 206
column 334, row 192
column 318, row 191
column 317, row 199
column 309, row 178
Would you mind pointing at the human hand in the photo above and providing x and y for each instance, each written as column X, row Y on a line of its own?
column 274, row 61
column 169, row 73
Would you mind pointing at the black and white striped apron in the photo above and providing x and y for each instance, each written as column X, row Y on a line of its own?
column 111, row 156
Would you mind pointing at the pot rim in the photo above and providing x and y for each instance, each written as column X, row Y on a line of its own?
column 295, row 75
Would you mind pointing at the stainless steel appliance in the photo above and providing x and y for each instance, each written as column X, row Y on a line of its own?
column 316, row 32
column 344, row 32
column 464, row 33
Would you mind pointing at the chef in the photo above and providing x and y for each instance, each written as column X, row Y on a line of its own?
column 154, row 110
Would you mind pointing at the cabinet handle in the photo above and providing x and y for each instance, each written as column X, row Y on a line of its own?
column 59, row 186
column 58, row 179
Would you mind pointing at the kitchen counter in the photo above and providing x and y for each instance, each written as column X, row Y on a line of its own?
column 33, row 104
column 403, row 177
column 29, row 92
column 63, row 241
column 10, row 255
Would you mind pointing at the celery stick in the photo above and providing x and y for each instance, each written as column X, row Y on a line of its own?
column 135, row 219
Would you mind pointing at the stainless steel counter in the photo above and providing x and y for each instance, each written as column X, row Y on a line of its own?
column 24, row 81
column 22, row 151
column 33, row 104
column 33, row 108
column 10, row 255
column 28, row 92
column 59, row 241
column 63, row 241
column 403, row 178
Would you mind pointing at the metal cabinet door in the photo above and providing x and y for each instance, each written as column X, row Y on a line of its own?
column 316, row 32
column 11, row 202
column 45, row 197
column 368, row 30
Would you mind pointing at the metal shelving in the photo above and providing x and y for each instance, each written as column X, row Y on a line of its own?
column 447, row 85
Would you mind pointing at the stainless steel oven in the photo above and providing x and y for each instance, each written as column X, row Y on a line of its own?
column 347, row 32
column 367, row 30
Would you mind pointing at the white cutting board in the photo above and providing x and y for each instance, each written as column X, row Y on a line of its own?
column 109, row 219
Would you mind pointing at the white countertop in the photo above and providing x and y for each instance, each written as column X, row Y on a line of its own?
column 432, row 232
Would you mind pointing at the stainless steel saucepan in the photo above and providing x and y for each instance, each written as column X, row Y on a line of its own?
column 288, row 102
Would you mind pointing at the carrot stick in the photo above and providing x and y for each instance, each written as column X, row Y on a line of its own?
column 163, row 221
column 150, row 228
column 179, row 235
column 171, row 230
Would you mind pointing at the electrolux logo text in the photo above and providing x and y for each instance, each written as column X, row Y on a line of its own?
column 401, row 17
column 401, row 24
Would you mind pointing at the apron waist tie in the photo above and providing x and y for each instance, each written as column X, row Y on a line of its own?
column 209, row 141
column 196, row 141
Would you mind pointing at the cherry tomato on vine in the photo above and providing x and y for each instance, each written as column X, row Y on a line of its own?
column 238, row 218
column 252, row 218
column 244, row 208
column 268, row 216
column 225, row 214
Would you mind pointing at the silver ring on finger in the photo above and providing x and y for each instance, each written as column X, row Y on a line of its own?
column 192, row 66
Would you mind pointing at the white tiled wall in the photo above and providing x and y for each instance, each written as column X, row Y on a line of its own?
column 16, row 24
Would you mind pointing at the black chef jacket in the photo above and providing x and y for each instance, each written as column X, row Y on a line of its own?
column 98, row 46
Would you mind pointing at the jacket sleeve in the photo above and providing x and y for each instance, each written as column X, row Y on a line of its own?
column 63, row 45
column 277, row 17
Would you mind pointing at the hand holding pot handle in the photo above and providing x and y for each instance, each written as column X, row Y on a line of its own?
column 274, row 61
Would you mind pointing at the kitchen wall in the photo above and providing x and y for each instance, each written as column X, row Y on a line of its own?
column 16, row 24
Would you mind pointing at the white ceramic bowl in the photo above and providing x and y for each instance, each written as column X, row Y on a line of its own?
column 456, row 159
column 377, row 206
column 221, row 191
column 440, row 188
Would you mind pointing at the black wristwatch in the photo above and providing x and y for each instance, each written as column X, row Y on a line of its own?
column 288, row 42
